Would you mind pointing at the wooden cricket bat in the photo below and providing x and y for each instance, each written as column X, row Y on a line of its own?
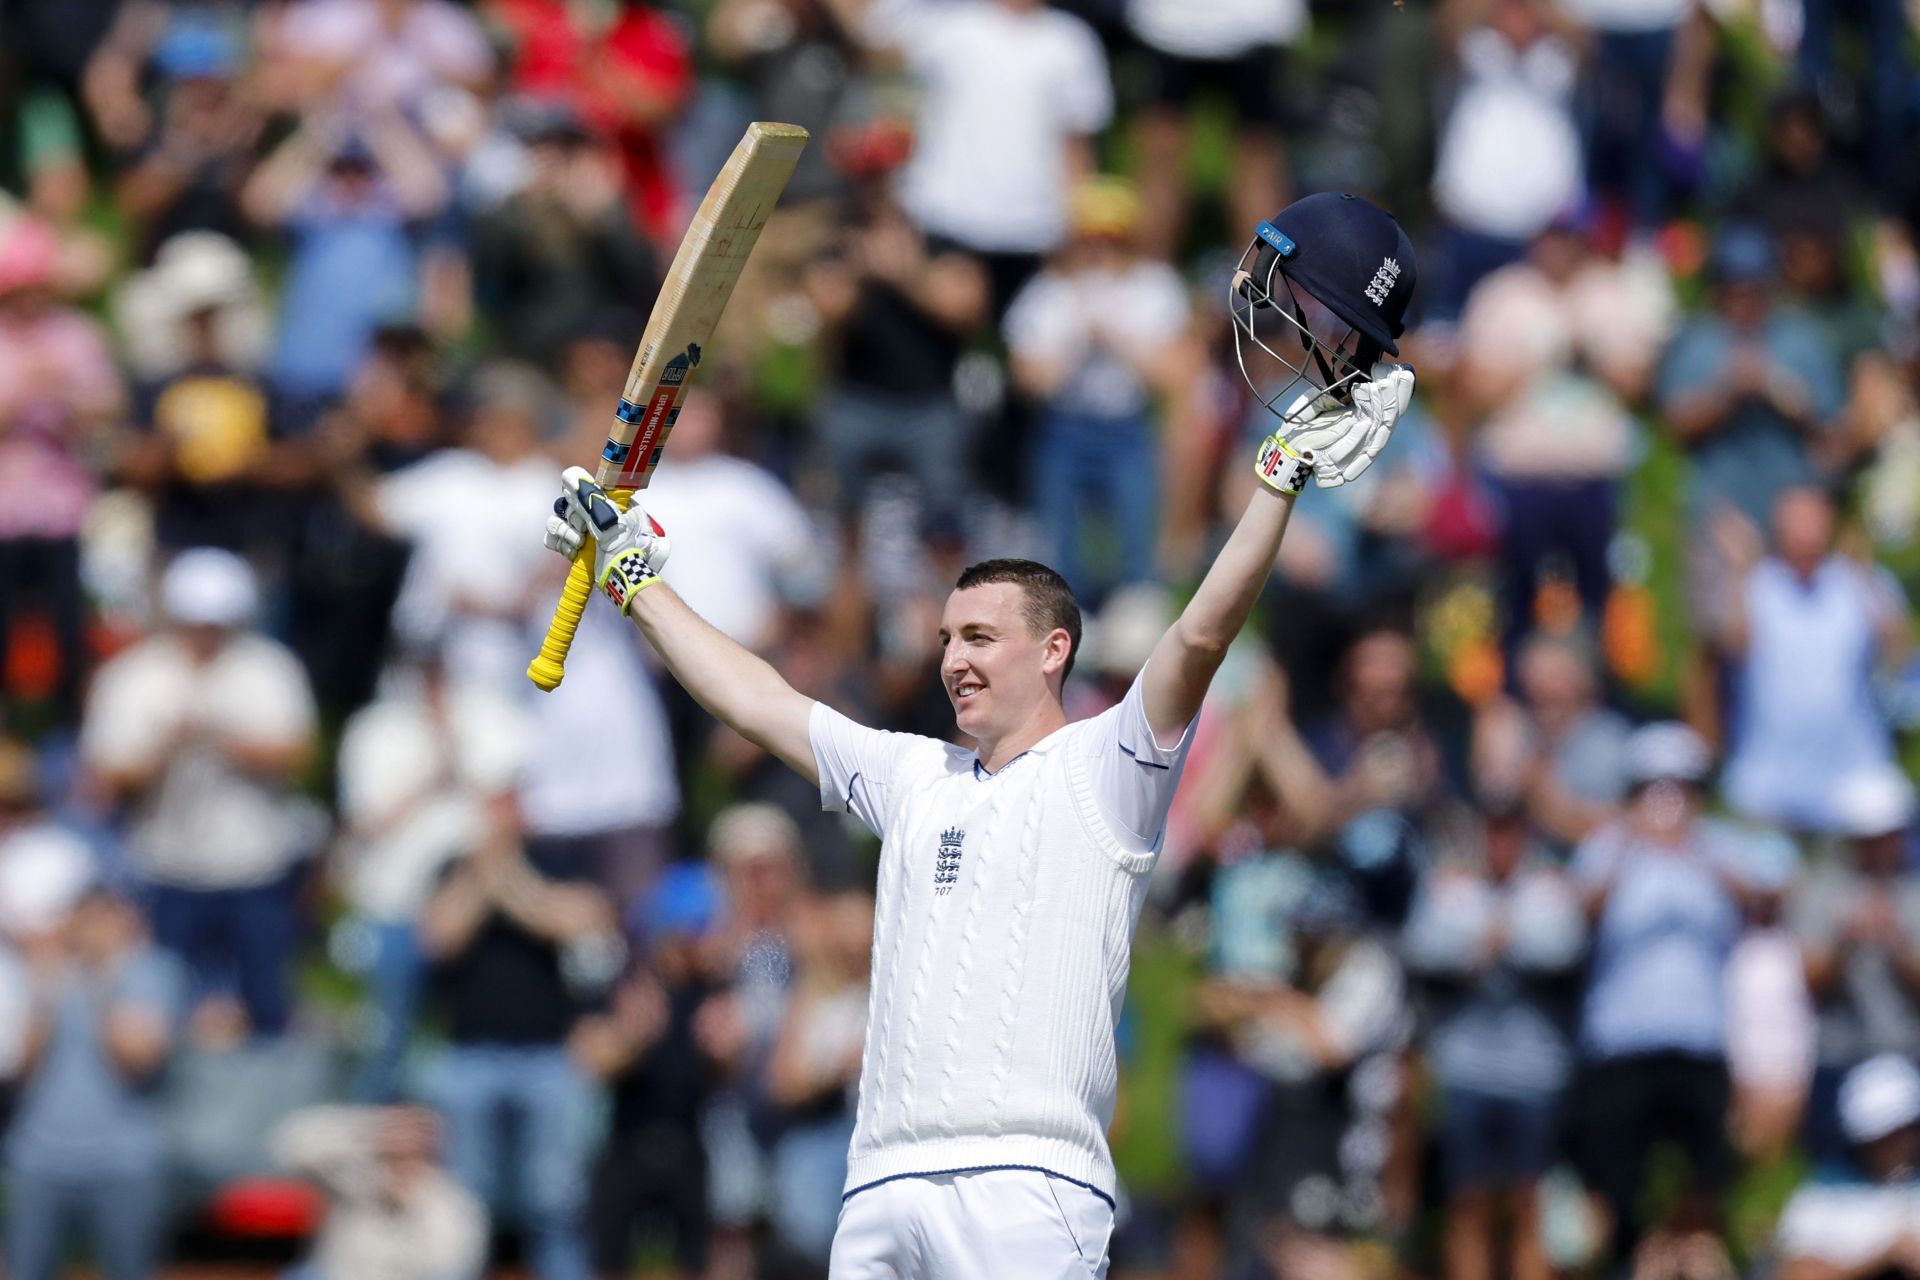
column 715, row 248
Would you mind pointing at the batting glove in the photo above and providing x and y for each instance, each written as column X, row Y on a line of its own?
column 1344, row 437
column 630, row 547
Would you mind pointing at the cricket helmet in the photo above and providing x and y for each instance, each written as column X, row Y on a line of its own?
column 1320, row 294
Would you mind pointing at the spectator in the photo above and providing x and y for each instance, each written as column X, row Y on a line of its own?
column 180, row 162
column 195, row 735
column 1376, row 746
column 1664, row 886
column 1747, row 389
column 1553, row 352
column 813, row 1075
column 741, row 529
column 1324, row 1034
column 1555, row 746
column 423, row 771
column 346, row 200
column 1012, row 92
column 1499, row 939
column 1862, row 1219
column 476, row 586
column 519, row 943
column 1515, row 64
column 757, row 850
column 48, row 45
column 1807, row 202
column 600, row 812
column 200, row 302
column 1257, row 790
column 898, row 310
column 1097, row 337
column 85, row 1148
column 371, row 58
column 1873, row 95
column 59, row 391
column 1857, row 918
column 803, row 67
column 1800, row 179
column 1801, row 726
column 562, row 249
column 1639, row 139
column 346, row 572
column 626, row 75
column 25, row 823
column 1770, row 1022
column 649, row 1049
column 1195, row 46
column 392, row 1212
column 207, row 457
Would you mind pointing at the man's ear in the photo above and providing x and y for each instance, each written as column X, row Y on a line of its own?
column 1056, row 648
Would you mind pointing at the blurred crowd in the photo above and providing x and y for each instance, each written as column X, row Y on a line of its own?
column 1540, row 897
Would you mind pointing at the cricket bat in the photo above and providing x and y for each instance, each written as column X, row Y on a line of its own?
column 715, row 248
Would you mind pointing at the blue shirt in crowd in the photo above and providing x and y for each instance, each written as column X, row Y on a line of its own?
column 352, row 270
column 1749, row 458
column 78, row 1116
column 1669, row 922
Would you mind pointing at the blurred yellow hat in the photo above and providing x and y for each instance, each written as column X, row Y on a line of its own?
column 1105, row 206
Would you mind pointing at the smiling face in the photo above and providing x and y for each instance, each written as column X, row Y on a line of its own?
column 999, row 670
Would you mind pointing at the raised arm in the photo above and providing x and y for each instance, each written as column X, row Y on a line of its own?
column 739, row 687
column 1350, row 435
column 1190, row 652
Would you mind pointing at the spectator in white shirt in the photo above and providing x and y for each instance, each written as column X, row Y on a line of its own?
column 1863, row 1220
column 423, row 770
column 1554, row 351
column 1096, row 338
column 1232, row 48
column 197, row 734
column 393, row 1211
column 1011, row 92
column 741, row 533
column 1515, row 66
column 475, row 588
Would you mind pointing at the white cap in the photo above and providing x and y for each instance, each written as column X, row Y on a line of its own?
column 744, row 831
column 208, row 587
column 1879, row 1096
column 1874, row 801
column 1127, row 628
column 199, row 269
column 1667, row 751
column 44, row 871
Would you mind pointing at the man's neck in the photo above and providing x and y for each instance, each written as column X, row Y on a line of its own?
column 993, row 756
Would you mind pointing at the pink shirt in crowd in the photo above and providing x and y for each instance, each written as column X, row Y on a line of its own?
column 56, row 370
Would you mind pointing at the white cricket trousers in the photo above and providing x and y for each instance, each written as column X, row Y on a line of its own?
column 996, row 1224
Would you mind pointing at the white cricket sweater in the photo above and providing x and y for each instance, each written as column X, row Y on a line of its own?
column 1004, row 915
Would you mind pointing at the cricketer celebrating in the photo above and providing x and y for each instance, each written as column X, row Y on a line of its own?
column 1012, row 875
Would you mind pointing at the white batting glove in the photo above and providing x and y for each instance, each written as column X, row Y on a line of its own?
column 1343, row 438
column 630, row 547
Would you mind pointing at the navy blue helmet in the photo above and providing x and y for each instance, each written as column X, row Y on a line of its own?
column 1321, row 294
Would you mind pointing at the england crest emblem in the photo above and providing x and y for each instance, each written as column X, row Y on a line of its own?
column 946, row 863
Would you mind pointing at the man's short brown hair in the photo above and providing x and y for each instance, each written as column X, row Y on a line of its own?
column 1049, row 600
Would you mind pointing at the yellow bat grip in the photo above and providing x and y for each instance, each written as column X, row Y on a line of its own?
column 550, row 667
